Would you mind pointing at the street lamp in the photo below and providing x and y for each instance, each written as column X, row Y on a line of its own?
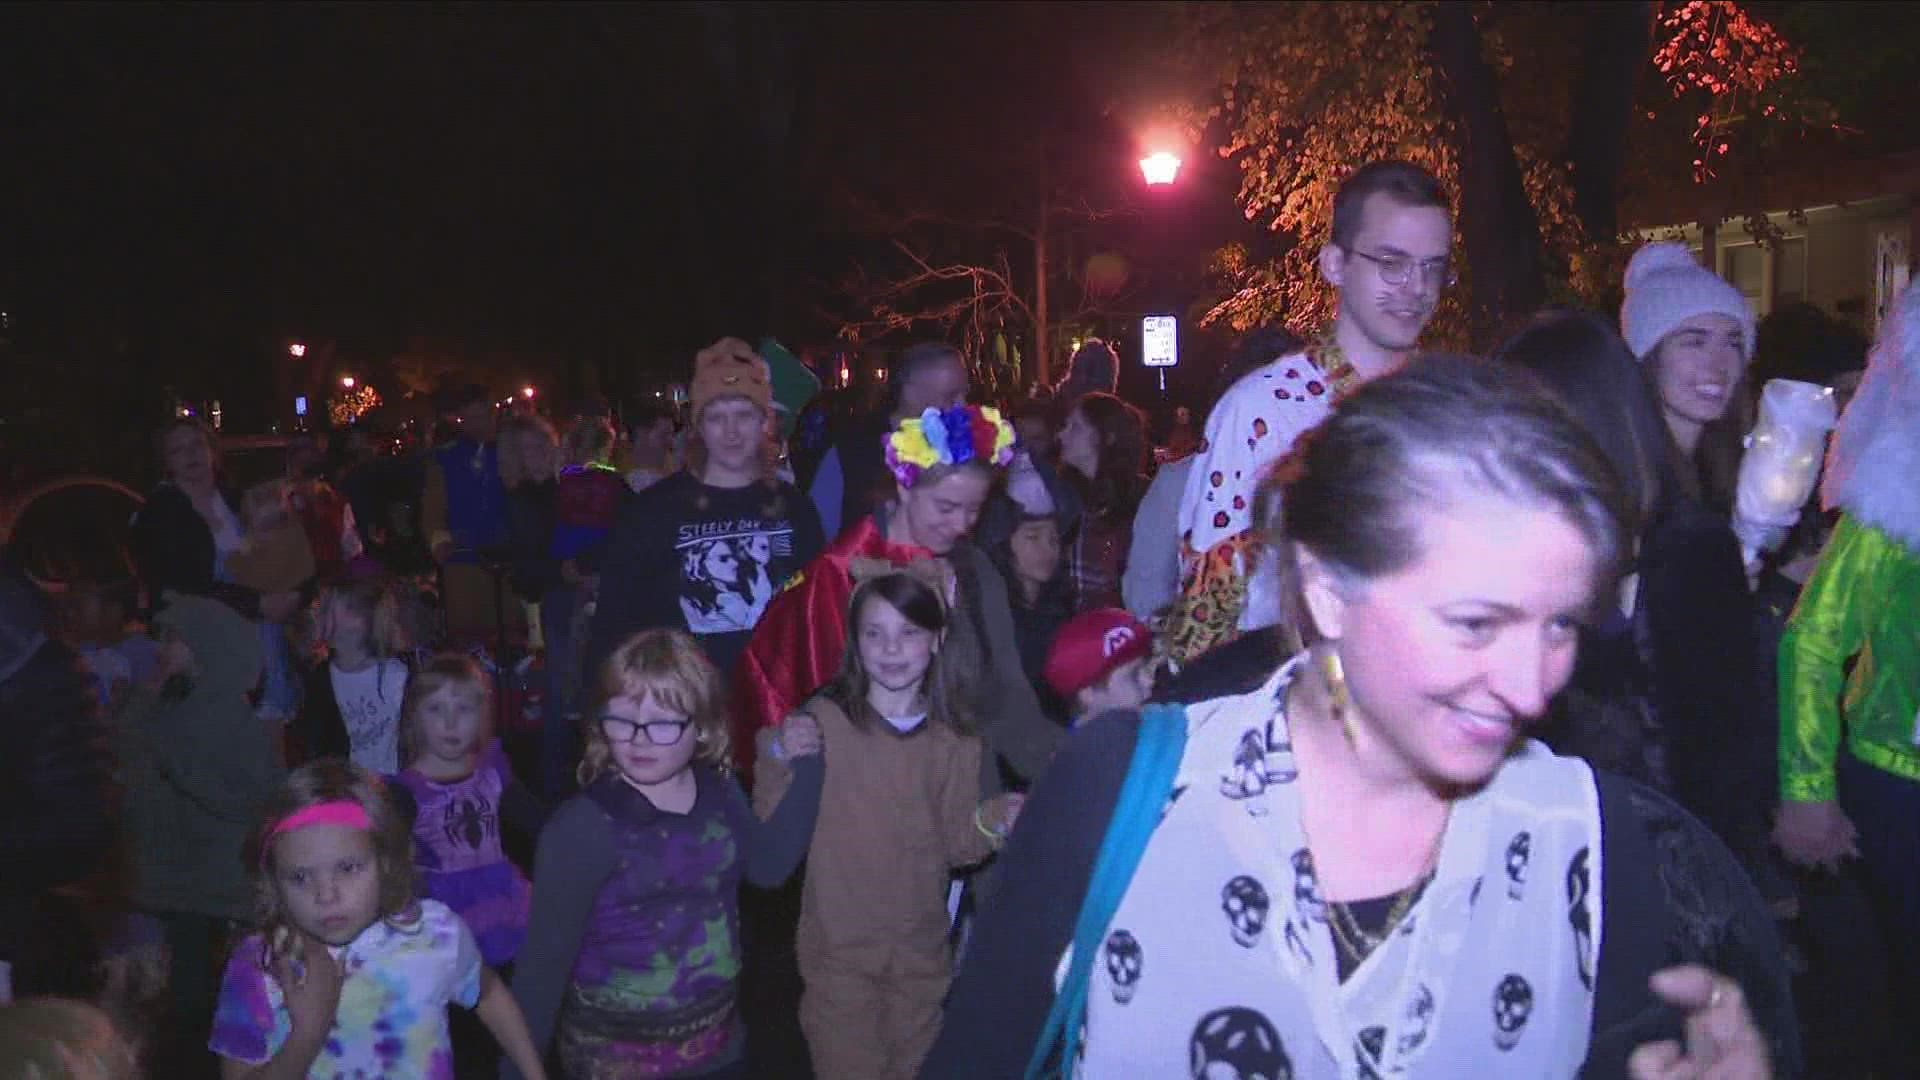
column 1160, row 167
column 527, row 392
column 346, row 381
column 296, row 350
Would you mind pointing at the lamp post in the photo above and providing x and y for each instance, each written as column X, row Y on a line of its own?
column 1160, row 168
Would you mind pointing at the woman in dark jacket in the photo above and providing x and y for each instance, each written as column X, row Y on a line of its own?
column 529, row 470
column 1104, row 453
column 1668, row 688
column 186, row 527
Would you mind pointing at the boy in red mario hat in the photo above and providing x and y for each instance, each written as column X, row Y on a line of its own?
column 1101, row 660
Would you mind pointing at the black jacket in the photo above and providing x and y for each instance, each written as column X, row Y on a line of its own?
column 530, row 517
column 866, row 483
column 1674, row 696
column 173, row 550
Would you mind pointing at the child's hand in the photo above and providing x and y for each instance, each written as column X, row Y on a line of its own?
column 800, row 735
column 311, row 983
column 1000, row 812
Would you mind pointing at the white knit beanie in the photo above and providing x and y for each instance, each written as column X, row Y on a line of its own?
column 1666, row 287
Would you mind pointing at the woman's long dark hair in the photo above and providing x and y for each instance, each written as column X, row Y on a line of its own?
column 1122, row 473
column 1586, row 365
column 924, row 607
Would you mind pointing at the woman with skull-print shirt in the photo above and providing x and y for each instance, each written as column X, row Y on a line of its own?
column 1363, row 868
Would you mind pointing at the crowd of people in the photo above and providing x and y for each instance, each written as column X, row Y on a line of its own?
column 1417, row 718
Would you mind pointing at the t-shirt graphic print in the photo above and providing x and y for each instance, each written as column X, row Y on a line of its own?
column 725, row 571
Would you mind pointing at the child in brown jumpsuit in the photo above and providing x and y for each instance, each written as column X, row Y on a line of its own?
column 900, row 811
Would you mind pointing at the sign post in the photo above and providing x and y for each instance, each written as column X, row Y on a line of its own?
column 1160, row 344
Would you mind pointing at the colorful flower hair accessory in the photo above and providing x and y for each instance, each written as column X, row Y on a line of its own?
column 954, row 437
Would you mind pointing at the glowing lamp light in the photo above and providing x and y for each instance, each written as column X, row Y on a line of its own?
column 296, row 350
column 1782, row 462
column 1159, row 168
column 346, row 381
column 527, row 392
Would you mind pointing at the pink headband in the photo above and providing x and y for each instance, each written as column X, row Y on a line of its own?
column 344, row 812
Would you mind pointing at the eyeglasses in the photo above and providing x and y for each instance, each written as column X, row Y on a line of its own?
column 659, row 732
column 1398, row 269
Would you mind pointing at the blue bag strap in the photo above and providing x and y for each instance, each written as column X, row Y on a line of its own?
column 1143, row 795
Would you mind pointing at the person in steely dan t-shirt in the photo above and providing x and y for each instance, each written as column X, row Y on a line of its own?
column 706, row 548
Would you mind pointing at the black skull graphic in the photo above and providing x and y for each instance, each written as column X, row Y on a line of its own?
column 1280, row 766
column 1306, row 888
column 1578, row 884
column 1366, row 1051
column 1124, row 960
column 1519, row 850
column 1237, row 1044
column 1512, row 1004
column 1297, row 942
column 1419, row 1017
column 1249, row 775
column 1245, row 902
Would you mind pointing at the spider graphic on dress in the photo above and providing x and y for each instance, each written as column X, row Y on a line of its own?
column 469, row 821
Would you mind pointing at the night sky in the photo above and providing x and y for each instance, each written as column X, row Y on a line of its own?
column 610, row 181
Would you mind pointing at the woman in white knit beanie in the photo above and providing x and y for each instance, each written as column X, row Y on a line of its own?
column 1692, row 331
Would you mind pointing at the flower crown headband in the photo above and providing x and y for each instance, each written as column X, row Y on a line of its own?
column 954, row 437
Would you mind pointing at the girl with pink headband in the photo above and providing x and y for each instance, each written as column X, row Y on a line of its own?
column 349, row 974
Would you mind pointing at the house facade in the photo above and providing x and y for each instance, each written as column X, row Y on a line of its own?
column 1843, row 237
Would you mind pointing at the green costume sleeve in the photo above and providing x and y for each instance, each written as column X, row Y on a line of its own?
column 1827, row 628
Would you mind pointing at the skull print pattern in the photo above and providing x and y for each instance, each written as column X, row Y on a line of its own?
column 1512, row 1005
column 1125, row 961
column 1578, row 915
column 1519, row 851
column 1453, row 983
column 1246, row 905
column 1237, row 1044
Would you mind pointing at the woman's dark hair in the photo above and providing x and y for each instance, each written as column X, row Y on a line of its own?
column 924, row 607
column 1590, row 370
column 1056, row 594
column 914, row 360
column 1122, row 473
column 1801, row 341
column 1350, row 491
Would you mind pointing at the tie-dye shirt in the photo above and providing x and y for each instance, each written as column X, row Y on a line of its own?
column 392, row 1017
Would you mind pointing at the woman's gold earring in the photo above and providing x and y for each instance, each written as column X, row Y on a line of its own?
column 1339, row 699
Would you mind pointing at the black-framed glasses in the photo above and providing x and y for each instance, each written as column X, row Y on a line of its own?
column 1398, row 269
column 659, row 732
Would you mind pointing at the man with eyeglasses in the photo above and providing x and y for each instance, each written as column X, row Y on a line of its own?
column 1388, row 258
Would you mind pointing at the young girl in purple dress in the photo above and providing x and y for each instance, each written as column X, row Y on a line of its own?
column 463, row 790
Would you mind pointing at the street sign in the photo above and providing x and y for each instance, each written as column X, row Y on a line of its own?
column 1160, row 341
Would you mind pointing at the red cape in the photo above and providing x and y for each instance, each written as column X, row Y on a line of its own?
column 801, row 638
